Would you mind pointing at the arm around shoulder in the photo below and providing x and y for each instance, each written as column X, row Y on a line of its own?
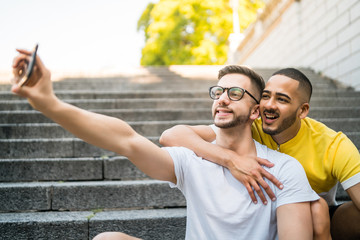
column 198, row 139
column 185, row 135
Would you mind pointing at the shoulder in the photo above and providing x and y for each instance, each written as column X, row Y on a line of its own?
column 274, row 156
column 318, row 127
column 286, row 169
column 292, row 175
column 325, row 134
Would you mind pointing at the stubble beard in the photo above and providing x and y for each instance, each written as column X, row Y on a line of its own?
column 238, row 120
column 285, row 124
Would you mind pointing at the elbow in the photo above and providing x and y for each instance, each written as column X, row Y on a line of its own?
column 164, row 138
column 168, row 137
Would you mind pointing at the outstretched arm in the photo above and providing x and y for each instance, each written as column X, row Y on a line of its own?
column 103, row 131
column 244, row 168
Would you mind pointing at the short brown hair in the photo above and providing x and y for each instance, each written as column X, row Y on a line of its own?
column 256, row 79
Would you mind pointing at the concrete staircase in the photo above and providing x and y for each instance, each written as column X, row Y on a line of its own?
column 55, row 186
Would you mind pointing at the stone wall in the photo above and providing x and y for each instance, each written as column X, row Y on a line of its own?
column 321, row 34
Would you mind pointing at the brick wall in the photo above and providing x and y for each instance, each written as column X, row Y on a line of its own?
column 321, row 34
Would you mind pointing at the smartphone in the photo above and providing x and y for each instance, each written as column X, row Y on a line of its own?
column 30, row 67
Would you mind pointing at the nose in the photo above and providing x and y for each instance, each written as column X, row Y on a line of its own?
column 224, row 98
column 268, row 103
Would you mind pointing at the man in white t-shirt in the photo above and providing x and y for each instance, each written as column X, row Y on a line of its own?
column 218, row 206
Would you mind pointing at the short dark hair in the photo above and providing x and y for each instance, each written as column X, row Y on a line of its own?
column 256, row 79
column 304, row 82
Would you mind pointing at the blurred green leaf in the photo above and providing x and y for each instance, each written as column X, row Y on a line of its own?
column 191, row 31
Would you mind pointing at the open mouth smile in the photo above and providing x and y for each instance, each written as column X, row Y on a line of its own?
column 222, row 112
column 270, row 116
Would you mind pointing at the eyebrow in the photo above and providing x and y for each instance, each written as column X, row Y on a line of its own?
column 278, row 94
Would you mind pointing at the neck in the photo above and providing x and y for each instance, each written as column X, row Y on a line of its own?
column 238, row 139
column 287, row 134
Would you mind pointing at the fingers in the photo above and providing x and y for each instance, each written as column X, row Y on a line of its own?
column 259, row 176
column 251, row 192
column 268, row 175
column 267, row 189
column 256, row 179
column 20, row 59
column 258, row 191
column 25, row 56
column 20, row 64
column 23, row 51
column 271, row 178
column 264, row 162
column 252, row 187
column 19, row 90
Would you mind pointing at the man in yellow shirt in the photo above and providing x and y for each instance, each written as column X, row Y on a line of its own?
column 327, row 156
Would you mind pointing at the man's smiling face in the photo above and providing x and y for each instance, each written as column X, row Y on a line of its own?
column 280, row 105
column 228, row 113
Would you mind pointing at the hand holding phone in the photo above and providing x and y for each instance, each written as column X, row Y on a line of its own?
column 24, row 71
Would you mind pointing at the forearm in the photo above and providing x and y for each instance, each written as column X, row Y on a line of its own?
column 99, row 130
column 115, row 135
column 197, row 140
column 354, row 193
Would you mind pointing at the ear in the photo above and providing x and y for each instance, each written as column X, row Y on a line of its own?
column 255, row 112
column 304, row 110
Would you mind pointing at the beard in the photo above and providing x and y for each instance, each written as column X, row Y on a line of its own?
column 285, row 124
column 236, row 121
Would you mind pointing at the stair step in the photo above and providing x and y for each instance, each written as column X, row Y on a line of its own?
column 173, row 103
column 45, row 225
column 68, row 169
column 84, row 225
column 72, row 94
column 334, row 112
column 52, row 148
column 134, row 103
column 73, row 147
column 52, row 196
column 145, row 224
column 146, row 128
column 32, row 116
column 52, row 130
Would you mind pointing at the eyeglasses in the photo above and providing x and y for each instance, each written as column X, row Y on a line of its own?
column 234, row 93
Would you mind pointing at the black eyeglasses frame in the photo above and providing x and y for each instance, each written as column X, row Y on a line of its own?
column 227, row 90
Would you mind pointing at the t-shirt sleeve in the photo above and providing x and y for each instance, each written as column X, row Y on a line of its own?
column 214, row 128
column 296, row 186
column 180, row 157
column 346, row 161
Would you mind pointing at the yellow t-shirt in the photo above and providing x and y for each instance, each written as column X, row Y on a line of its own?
column 327, row 156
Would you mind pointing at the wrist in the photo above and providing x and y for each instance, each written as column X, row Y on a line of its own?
column 227, row 159
column 46, row 104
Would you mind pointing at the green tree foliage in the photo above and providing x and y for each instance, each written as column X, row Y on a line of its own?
column 191, row 31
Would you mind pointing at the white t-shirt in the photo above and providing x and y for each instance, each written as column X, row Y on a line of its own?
column 219, row 206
